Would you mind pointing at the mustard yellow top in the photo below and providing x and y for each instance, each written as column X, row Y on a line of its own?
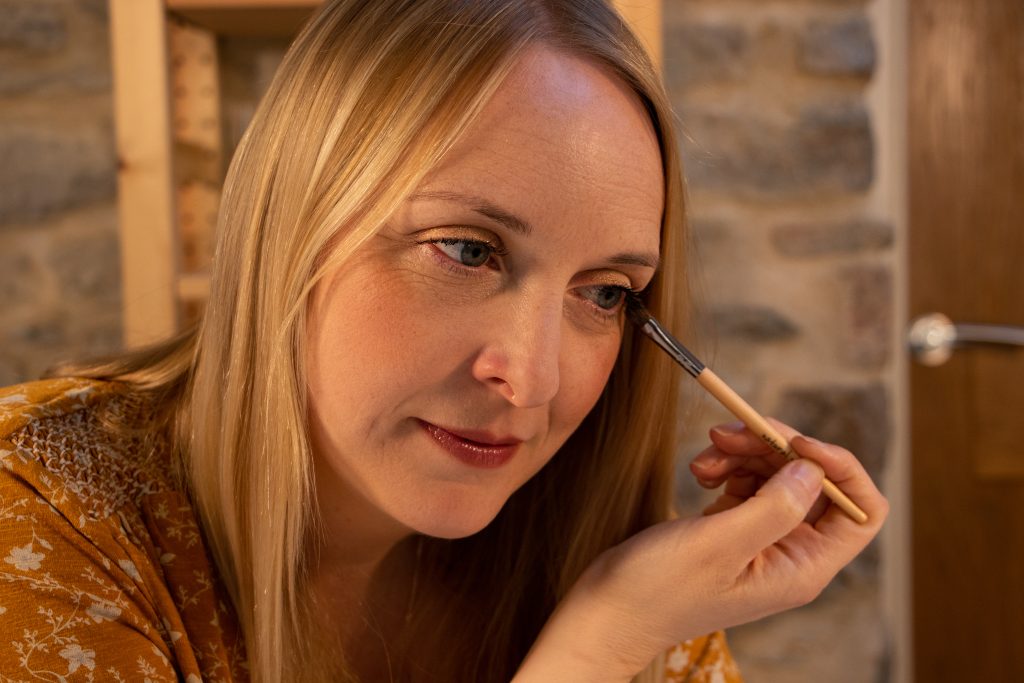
column 104, row 574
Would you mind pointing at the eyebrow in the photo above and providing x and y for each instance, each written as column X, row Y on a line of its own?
column 482, row 207
column 517, row 225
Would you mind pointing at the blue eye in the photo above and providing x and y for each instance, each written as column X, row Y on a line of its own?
column 469, row 253
column 606, row 297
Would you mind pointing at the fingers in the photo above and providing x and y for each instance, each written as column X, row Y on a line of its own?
column 778, row 507
column 712, row 467
column 737, row 453
column 738, row 488
column 735, row 450
column 850, row 476
column 734, row 437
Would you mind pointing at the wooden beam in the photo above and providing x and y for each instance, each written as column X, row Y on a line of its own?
column 146, row 204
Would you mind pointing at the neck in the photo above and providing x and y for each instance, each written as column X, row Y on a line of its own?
column 362, row 576
column 361, row 562
column 362, row 611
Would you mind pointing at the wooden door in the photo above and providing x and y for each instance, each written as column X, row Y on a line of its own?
column 966, row 198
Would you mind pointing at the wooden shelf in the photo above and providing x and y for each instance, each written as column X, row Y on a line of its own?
column 251, row 18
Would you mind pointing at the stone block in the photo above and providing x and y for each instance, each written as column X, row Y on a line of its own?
column 35, row 26
column 854, row 417
column 88, row 267
column 867, row 311
column 833, row 142
column 843, row 47
column 43, row 171
column 46, row 331
column 827, row 148
column 92, row 330
column 78, row 77
column 73, row 330
column 802, row 240
column 21, row 276
column 752, row 323
column 838, row 638
column 96, row 8
column 82, row 64
column 699, row 53
column 13, row 366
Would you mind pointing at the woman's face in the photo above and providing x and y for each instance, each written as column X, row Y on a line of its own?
column 456, row 352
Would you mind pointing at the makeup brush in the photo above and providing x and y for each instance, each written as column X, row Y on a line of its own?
column 728, row 398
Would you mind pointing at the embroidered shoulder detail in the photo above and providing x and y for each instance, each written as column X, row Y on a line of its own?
column 23, row 403
column 91, row 437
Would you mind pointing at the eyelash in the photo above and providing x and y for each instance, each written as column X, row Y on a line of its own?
column 462, row 270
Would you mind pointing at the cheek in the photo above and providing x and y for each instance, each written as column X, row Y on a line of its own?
column 375, row 331
column 585, row 373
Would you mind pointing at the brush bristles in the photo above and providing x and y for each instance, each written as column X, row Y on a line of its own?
column 636, row 311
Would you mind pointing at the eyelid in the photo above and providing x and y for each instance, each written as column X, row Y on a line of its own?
column 456, row 233
column 611, row 277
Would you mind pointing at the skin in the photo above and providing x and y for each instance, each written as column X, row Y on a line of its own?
column 518, row 347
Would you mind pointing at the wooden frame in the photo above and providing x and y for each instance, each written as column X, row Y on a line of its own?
column 146, row 205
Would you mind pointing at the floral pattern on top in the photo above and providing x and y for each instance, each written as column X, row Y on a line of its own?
column 104, row 576
column 104, row 573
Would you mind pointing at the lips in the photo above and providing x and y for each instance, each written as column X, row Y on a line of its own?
column 472, row 447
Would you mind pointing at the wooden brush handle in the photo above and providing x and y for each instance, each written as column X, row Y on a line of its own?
column 760, row 426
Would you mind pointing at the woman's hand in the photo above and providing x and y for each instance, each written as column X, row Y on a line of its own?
column 770, row 542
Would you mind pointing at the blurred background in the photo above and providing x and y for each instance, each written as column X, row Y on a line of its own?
column 852, row 165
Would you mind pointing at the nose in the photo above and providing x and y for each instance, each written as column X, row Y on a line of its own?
column 520, row 357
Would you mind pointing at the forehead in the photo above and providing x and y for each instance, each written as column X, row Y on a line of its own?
column 563, row 142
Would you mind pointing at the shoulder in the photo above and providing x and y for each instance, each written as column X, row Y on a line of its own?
column 24, row 403
column 102, row 563
column 82, row 443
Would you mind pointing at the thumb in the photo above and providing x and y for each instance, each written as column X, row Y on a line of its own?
column 778, row 507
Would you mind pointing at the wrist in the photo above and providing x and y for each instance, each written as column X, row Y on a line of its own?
column 546, row 662
column 583, row 641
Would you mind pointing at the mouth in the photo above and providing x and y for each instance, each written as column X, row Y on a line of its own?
column 472, row 447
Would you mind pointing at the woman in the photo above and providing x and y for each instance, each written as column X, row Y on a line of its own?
column 413, row 437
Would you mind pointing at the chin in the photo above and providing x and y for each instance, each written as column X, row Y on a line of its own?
column 454, row 516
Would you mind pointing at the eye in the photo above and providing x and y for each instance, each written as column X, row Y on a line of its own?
column 470, row 253
column 606, row 297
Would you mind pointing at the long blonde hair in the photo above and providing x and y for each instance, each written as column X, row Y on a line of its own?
column 369, row 98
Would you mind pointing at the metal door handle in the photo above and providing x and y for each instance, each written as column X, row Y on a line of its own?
column 934, row 337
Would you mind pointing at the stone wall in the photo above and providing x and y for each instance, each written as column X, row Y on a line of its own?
column 795, row 276
column 59, row 266
column 795, row 270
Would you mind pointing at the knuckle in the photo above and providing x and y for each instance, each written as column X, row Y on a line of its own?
column 802, row 593
column 789, row 504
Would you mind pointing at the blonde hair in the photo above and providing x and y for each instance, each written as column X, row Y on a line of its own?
column 369, row 98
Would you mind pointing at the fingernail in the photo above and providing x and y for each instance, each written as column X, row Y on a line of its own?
column 729, row 428
column 807, row 473
column 811, row 440
column 707, row 461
